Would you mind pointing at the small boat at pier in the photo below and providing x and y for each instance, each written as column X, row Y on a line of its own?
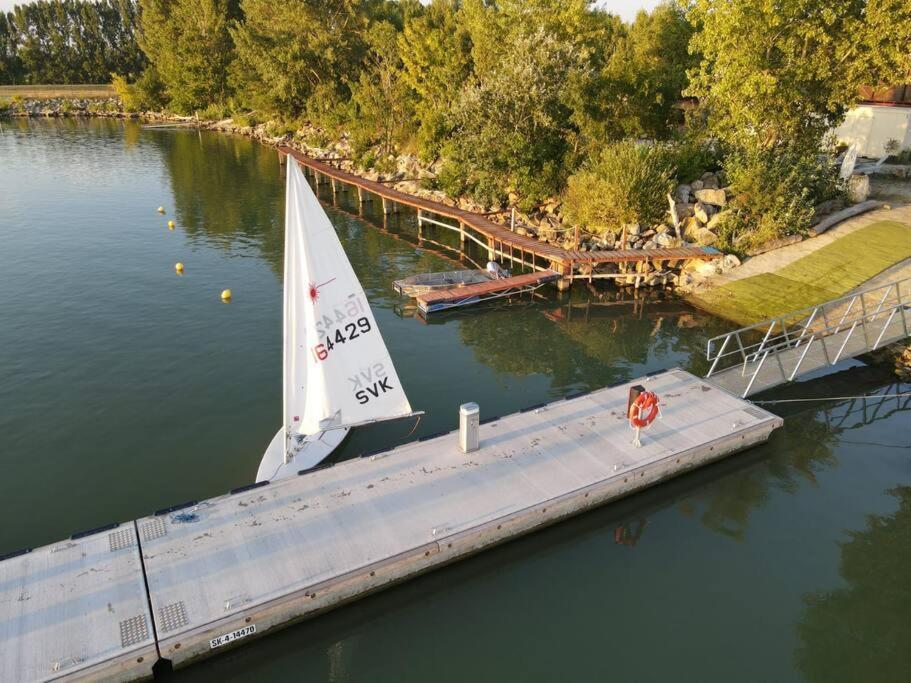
column 416, row 285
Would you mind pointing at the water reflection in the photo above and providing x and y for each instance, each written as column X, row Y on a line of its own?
column 862, row 630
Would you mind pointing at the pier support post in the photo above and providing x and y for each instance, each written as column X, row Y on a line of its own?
column 360, row 195
column 491, row 252
column 461, row 236
column 420, row 223
column 334, row 188
column 387, row 208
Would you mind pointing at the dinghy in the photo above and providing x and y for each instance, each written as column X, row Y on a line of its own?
column 337, row 370
column 429, row 282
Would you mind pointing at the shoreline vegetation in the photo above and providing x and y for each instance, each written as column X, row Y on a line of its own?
column 688, row 125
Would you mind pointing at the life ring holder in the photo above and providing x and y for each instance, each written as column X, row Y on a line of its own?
column 642, row 412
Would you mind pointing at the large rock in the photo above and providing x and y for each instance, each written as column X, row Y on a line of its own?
column 705, row 237
column 633, row 229
column 696, row 185
column 683, row 194
column 858, row 188
column 715, row 197
column 689, row 228
column 717, row 218
column 729, row 262
column 709, row 181
column 703, row 212
column 665, row 240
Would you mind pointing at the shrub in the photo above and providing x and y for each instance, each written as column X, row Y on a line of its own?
column 247, row 120
column 146, row 94
column 692, row 158
column 773, row 192
column 280, row 128
column 627, row 183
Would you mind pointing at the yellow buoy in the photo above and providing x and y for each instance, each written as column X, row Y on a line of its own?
column 178, row 267
column 160, row 209
column 170, row 225
column 226, row 295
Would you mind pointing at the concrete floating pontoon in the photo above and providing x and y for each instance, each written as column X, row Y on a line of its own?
column 77, row 609
column 266, row 556
column 238, row 566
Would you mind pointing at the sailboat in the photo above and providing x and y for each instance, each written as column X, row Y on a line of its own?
column 337, row 370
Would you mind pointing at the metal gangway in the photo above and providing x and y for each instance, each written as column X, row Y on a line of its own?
column 761, row 356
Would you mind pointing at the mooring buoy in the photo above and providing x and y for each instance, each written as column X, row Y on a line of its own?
column 226, row 295
column 170, row 225
column 179, row 268
column 160, row 209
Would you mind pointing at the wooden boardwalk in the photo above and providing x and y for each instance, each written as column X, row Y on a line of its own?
column 236, row 567
column 500, row 240
column 454, row 297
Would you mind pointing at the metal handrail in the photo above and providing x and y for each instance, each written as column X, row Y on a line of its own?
column 815, row 324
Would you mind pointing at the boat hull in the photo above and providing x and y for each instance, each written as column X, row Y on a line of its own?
column 315, row 449
column 417, row 285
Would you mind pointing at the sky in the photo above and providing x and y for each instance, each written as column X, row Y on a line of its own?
column 625, row 8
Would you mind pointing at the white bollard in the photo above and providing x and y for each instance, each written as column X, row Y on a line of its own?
column 469, row 427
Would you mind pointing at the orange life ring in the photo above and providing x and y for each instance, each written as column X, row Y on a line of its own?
column 644, row 409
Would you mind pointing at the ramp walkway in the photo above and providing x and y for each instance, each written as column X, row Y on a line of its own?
column 783, row 349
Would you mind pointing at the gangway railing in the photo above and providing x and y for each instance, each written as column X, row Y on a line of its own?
column 781, row 349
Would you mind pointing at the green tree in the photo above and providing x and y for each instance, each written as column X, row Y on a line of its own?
column 435, row 49
column 382, row 106
column 10, row 66
column 773, row 71
column 626, row 183
column 189, row 44
column 636, row 91
column 299, row 55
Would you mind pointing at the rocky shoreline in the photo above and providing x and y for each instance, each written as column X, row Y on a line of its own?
column 695, row 209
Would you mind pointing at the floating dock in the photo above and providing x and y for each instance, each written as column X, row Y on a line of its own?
column 456, row 297
column 191, row 580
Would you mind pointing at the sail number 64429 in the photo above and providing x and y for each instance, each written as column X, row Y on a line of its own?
column 340, row 336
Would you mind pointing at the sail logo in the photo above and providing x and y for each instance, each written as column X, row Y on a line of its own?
column 370, row 383
column 314, row 290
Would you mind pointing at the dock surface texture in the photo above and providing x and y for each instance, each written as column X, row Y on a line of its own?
column 270, row 554
column 499, row 235
column 452, row 297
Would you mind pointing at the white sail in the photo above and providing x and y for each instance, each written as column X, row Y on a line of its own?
column 337, row 371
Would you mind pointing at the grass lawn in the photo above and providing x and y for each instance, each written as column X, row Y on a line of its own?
column 47, row 91
column 827, row 273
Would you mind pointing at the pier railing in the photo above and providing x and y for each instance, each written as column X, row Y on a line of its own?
column 782, row 349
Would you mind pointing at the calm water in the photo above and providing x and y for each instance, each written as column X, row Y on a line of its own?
column 125, row 388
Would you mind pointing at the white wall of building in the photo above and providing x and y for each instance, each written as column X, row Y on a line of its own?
column 871, row 126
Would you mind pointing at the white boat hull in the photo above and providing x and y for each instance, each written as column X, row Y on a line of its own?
column 315, row 449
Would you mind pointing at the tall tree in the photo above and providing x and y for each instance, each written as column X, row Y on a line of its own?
column 635, row 92
column 774, row 71
column 189, row 44
column 382, row 105
column 10, row 66
column 299, row 54
column 436, row 57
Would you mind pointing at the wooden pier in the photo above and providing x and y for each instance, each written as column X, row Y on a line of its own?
column 192, row 580
column 455, row 297
column 499, row 241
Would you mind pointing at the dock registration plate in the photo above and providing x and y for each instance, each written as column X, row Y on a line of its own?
column 232, row 636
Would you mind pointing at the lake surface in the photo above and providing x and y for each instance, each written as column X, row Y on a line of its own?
column 125, row 388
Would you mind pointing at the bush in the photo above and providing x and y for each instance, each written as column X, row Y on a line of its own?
column 146, row 94
column 214, row 112
column 692, row 158
column 280, row 128
column 773, row 192
column 626, row 183
column 247, row 120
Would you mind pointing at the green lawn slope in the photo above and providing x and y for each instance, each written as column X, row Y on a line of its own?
column 826, row 274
